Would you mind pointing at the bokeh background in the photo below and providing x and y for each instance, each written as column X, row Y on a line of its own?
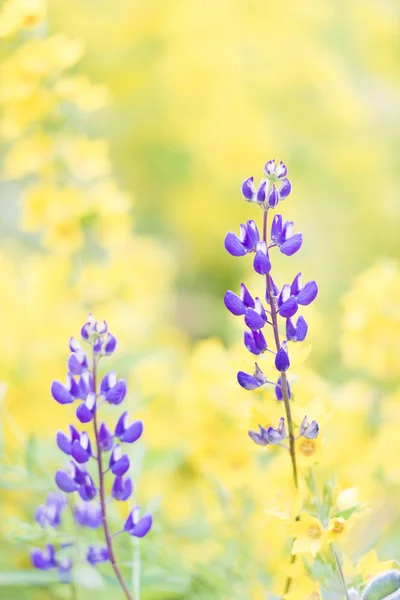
column 127, row 129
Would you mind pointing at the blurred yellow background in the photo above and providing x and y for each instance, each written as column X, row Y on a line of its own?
column 127, row 129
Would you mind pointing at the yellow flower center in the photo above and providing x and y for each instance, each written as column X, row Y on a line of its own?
column 314, row 532
column 337, row 526
column 31, row 20
column 307, row 447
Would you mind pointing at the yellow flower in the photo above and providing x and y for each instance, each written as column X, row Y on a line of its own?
column 308, row 452
column 369, row 565
column 304, row 589
column 21, row 14
column 84, row 94
column 337, row 529
column 86, row 158
column 29, row 156
column 309, row 535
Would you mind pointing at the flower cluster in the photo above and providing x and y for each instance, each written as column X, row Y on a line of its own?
column 103, row 448
column 281, row 303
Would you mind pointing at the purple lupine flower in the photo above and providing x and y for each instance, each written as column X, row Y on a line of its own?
column 88, row 514
column 106, row 438
column 44, row 559
column 49, row 514
column 112, row 390
column 87, row 510
column 293, row 295
column 136, row 525
column 252, row 382
column 296, row 332
column 122, row 488
column 255, row 342
column 128, row 433
column 238, row 305
column 284, row 302
column 309, row 430
column 281, row 235
column 119, row 463
column 245, row 243
column 262, row 264
column 97, row 554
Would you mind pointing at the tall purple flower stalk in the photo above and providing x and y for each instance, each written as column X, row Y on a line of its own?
column 282, row 304
column 102, row 446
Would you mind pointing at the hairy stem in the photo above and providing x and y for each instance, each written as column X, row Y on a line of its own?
column 285, row 391
column 103, row 503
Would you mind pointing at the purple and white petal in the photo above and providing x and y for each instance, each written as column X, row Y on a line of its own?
column 234, row 304
column 260, row 198
column 285, row 189
column 273, row 198
column 282, row 362
column 281, row 170
column 292, row 245
column 233, row 245
column 248, row 189
column 308, row 293
column 288, row 308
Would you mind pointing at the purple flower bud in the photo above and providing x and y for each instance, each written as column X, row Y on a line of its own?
column 96, row 555
column 78, row 362
column 278, row 389
column 281, row 170
column 273, row 198
column 100, row 327
column 97, row 346
column 255, row 342
column 252, row 382
column 248, row 189
column 87, row 489
column 237, row 305
column 269, row 168
column 262, row 264
column 65, row 482
column 105, row 437
column 88, row 514
column 246, row 242
column 122, row 488
column 44, row 559
column 309, row 430
column 260, row 438
column 285, row 189
column 86, row 331
column 282, row 362
column 85, row 385
column 136, row 525
column 261, row 192
column 119, row 463
column 298, row 332
column 110, row 344
column 256, row 317
column 128, row 433
column 287, row 303
column 86, row 410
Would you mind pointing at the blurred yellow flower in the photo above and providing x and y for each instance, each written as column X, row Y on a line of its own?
column 21, row 14
column 309, row 535
column 369, row 565
column 304, row 588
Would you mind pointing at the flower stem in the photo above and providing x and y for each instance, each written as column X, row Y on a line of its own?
column 284, row 386
column 103, row 503
column 136, row 567
column 341, row 574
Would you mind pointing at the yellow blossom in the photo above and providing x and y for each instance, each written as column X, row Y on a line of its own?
column 369, row 565
column 21, row 14
column 86, row 158
column 309, row 535
column 304, row 588
column 308, row 452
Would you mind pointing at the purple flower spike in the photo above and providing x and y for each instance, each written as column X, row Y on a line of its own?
column 298, row 332
column 44, row 559
column 262, row 264
column 248, row 189
column 88, row 514
column 278, row 389
column 86, row 410
column 136, row 525
column 282, row 362
column 49, row 514
column 96, row 555
column 285, row 189
column 309, row 430
column 113, row 391
column 122, row 488
column 252, row 382
column 260, row 438
column 119, row 463
column 65, row 394
column 245, row 243
column 273, row 198
column 64, row 442
column 128, row 433
column 106, row 438
column 81, row 450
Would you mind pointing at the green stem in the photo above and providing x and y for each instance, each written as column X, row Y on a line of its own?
column 341, row 574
